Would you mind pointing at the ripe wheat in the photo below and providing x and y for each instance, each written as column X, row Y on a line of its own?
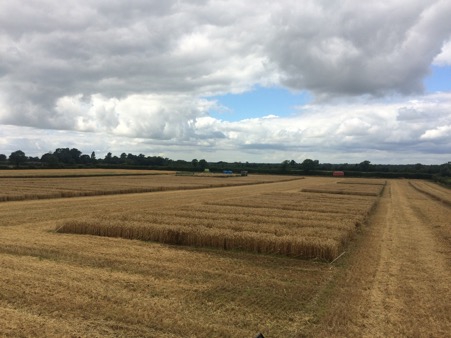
column 298, row 224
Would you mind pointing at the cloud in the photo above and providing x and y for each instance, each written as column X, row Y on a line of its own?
column 357, row 48
column 405, row 131
column 439, row 133
column 55, row 53
column 146, row 70
column 340, row 130
column 444, row 58
column 147, row 116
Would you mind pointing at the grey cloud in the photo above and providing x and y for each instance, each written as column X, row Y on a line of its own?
column 139, row 68
column 409, row 114
column 212, row 135
column 358, row 47
column 115, row 49
column 264, row 146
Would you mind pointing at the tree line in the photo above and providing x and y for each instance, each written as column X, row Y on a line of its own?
column 70, row 158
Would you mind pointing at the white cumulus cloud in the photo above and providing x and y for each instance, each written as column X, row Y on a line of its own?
column 146, row 70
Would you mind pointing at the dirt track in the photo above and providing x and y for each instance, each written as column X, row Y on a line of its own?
column 399, row 279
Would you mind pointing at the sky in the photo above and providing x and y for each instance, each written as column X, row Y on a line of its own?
column 257, row 81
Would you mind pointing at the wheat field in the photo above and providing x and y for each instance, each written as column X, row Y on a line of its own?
column 56, row 284
column 297, row 224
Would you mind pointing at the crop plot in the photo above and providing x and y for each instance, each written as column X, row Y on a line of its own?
column 354, row 187
column 44, row 187
column 295, row 224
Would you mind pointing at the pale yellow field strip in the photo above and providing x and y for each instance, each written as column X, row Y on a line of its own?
column 433, row 190
column 60, row 209
column 79, row 172
column 361, row 189
column 58, row 187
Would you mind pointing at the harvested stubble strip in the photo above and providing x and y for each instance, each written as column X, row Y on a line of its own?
column 363, row 182
column 266, row 214
column 436, row 193
column 317, row 198
column 216, row 209
column 336, row 208
column 341, row 192
column 305, row 247
column 84, row 193
column 349, row 189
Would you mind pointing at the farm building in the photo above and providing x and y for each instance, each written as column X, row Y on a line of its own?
column 338, row 173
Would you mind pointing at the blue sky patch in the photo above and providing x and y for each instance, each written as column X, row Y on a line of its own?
column 259, row 102
column 439, row 80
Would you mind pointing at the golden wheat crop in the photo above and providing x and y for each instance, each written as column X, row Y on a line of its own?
column 295, row 224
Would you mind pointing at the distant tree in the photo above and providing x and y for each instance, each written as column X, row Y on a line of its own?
column 3, row 158
column 195, row 162
column 75, row 154
column 365, row 166
column 50, row 159
column 445, row 169
column 308, row 165
column 203, row 164
column 85, row 159
column 93, row 157
column 123, row 158
column 68, row 156
column 17, row 157
column 141, row 159
column 284, row 165
column 108, row 158
column 115, row 160
column 418, row 167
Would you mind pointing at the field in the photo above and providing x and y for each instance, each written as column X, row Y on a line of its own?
column 46, row 184
column 25, row 173
column 294, row 223
column 132, row 280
